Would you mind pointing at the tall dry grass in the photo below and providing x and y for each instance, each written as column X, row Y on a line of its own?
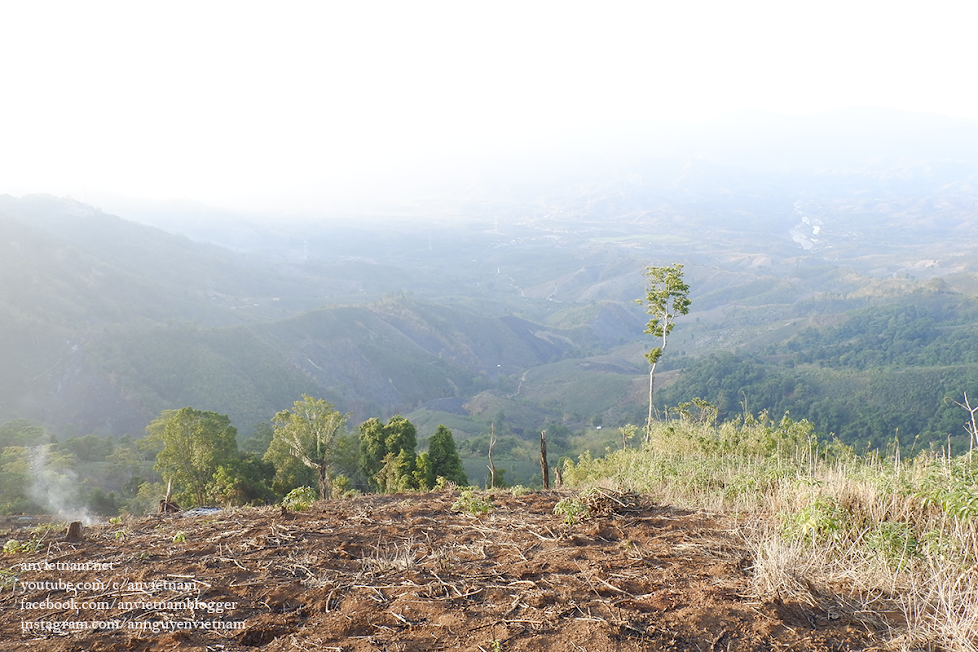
column 889, row 542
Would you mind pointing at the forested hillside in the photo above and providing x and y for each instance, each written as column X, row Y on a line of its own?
column 892, row 370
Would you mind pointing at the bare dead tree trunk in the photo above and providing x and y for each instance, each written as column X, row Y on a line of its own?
column 167, row 506
column 492, row 467
column 648, row 424
column 322, row 474
column 973, row 429
column 544, row 465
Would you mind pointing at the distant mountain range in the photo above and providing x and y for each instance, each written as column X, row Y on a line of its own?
column 505, row 293
column 107, row 322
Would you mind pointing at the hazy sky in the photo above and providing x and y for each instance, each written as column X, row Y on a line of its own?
column 242, row 104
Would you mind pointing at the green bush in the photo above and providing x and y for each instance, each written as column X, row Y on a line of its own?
column 572, row 509
column 819, row 520
column 473, row 504
column 894, row 543
column 300, row 499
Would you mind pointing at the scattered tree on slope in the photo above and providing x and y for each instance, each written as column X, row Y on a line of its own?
column 311, row 434
column 444, row 458
column 194, row 445
column 387, row 457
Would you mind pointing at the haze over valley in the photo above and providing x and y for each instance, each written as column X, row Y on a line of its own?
column 509, row 300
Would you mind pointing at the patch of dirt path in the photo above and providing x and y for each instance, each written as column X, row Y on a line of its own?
column 407, row 573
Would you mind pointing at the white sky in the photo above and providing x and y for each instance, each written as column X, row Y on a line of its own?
column 240, row 104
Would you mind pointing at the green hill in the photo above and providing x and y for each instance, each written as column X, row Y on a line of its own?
column 870, row 375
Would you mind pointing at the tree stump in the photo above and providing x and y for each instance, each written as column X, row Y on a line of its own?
column 74, row 531
column 168, row 507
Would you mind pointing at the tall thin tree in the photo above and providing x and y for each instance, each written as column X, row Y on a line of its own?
column 666, row 297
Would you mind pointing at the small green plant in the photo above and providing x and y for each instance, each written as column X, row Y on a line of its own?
column 953, row 488
column 519, row 490
column 300, row 499
column 35, row 543
column 940, row 546
column 496, row 646
column 13, row 546
column 475, row 505
column 121, row 535
column 572, row 509
column 116, row 520
column 8, row 579
column 820, row 520
column 895, row 543
column 180, row 537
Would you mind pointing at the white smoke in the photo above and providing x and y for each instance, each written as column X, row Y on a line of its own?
column 55, row 489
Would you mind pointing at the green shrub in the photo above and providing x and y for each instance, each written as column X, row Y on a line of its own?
column 894, row 543
column 572, row 509
column 473, row 504
column 35, row 543
column 300, row 499
column 820, row 520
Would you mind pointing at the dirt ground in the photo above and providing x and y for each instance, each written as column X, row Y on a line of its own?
column 407, row 573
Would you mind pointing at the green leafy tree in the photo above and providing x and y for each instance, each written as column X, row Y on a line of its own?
column 290, row 473
column 261, row 438
column 245, row 481
column 194, row 444
column 444, row 458
column 310, row 432
column 666, row 297
column 402, row 437
column 395, row 474
column 424, row 475
column 21, row 432
column 373, row 449
column 90, row 448
column 387, row 450
column 102, row 503
column 15, row 478
column 124, row 463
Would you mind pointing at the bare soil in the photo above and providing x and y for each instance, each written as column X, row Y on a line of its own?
column 406, row 572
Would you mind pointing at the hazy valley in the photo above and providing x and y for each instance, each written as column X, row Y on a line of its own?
column 509, row 300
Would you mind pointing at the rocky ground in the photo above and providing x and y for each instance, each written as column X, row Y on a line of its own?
column 407, row 572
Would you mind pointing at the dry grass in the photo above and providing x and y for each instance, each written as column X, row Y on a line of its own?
column 885, row 542
column 941, row 607
column 392, row 556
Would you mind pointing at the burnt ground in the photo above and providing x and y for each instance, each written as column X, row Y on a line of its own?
column 406, row 572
